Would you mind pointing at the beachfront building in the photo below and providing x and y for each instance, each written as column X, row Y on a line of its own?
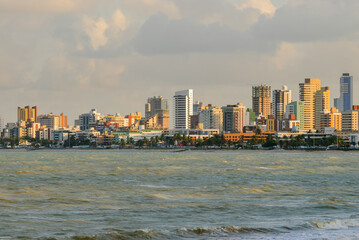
column 307, row 92
column 297, row 109
column 261, row 100
column 234, row 118
column 350, row 121
column 211, row 117
column 158, row 106
column 322, row 104
column 88, row 120
column 346, row 92
column 27, row 114
column 280, row 99
column 183, row 109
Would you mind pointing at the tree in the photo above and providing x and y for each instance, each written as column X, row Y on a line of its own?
column 122, row 142
column 270, row 142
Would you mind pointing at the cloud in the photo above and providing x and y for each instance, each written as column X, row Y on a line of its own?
column 95, row 30
column 43, row 6
column 314, row 20
column 264, row 6
column 160, row 35
column 118, row 20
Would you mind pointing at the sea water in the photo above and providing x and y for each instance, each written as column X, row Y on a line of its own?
column 179, row 195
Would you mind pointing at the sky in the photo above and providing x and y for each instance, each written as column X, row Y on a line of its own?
column 74, row 55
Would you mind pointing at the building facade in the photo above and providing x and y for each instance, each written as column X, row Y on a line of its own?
column 307, row 92
column 212, row 118
column 281, row 98
column 322, row 103
column 183, row 109
column 297, row 109
column 261, row 100
column 346, row 92
column 158, row 105
column 350, row 121
column 234, row 117
column 27, row 114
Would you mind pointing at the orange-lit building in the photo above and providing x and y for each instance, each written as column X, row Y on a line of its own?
column 27, row 114
column 245, row 137
column 63, row 121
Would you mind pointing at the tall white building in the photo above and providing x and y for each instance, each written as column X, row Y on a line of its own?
column 183, row 109
column 212, row 118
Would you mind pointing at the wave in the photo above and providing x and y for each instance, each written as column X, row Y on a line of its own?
column 336, row 224
column 284, row 232
column 225, row 229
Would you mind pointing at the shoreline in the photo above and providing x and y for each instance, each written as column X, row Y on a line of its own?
column 177, row 150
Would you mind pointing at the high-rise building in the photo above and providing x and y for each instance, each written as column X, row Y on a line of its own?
column 197, row 107
column 350, row 121
column 250, row 116
column 133, row 118
column 337, row 119
column 261, row 100
column 49, row 120
column 307, row 92
column 159, row 106
column 297, row 109
column 330, row 119
column 337, row 103
column 63, row 121
column 27, row 114
column 346, row 92
column 88, row 120
column 211, row 117
column 183, row 109
column 281, row 98
column 322, row 103
column 234, row 118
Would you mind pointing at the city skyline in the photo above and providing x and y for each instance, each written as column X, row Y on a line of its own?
column 83, row 54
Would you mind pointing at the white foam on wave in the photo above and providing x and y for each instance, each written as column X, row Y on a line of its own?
column 336, row 224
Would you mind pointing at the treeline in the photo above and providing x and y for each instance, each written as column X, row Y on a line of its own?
column 179, row 140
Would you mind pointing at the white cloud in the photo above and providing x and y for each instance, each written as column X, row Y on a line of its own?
column 264, row 6
column 95, row 30
column 119, row 20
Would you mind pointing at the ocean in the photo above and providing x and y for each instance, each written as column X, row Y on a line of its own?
column 179, row 195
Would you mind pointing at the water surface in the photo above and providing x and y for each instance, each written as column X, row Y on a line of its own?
column 186, row 195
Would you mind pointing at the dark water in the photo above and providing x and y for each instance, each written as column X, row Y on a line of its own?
column 187, row 195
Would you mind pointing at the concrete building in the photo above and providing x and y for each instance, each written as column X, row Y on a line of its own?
column 272, row 124
column 49, row 120
column 290, row 124
column 159, row 106
column 212, row 117
column 297, row 109
column 250, row 117
column 322, row 103
column 281, row 98
column 27, row 114
column 307, row 92
column 337, row 103
column 346, row 92
column 197, row 107
column 350, row 121
column 234, row 117
column 183, row 109
column 88, row 120
column 261, row 100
